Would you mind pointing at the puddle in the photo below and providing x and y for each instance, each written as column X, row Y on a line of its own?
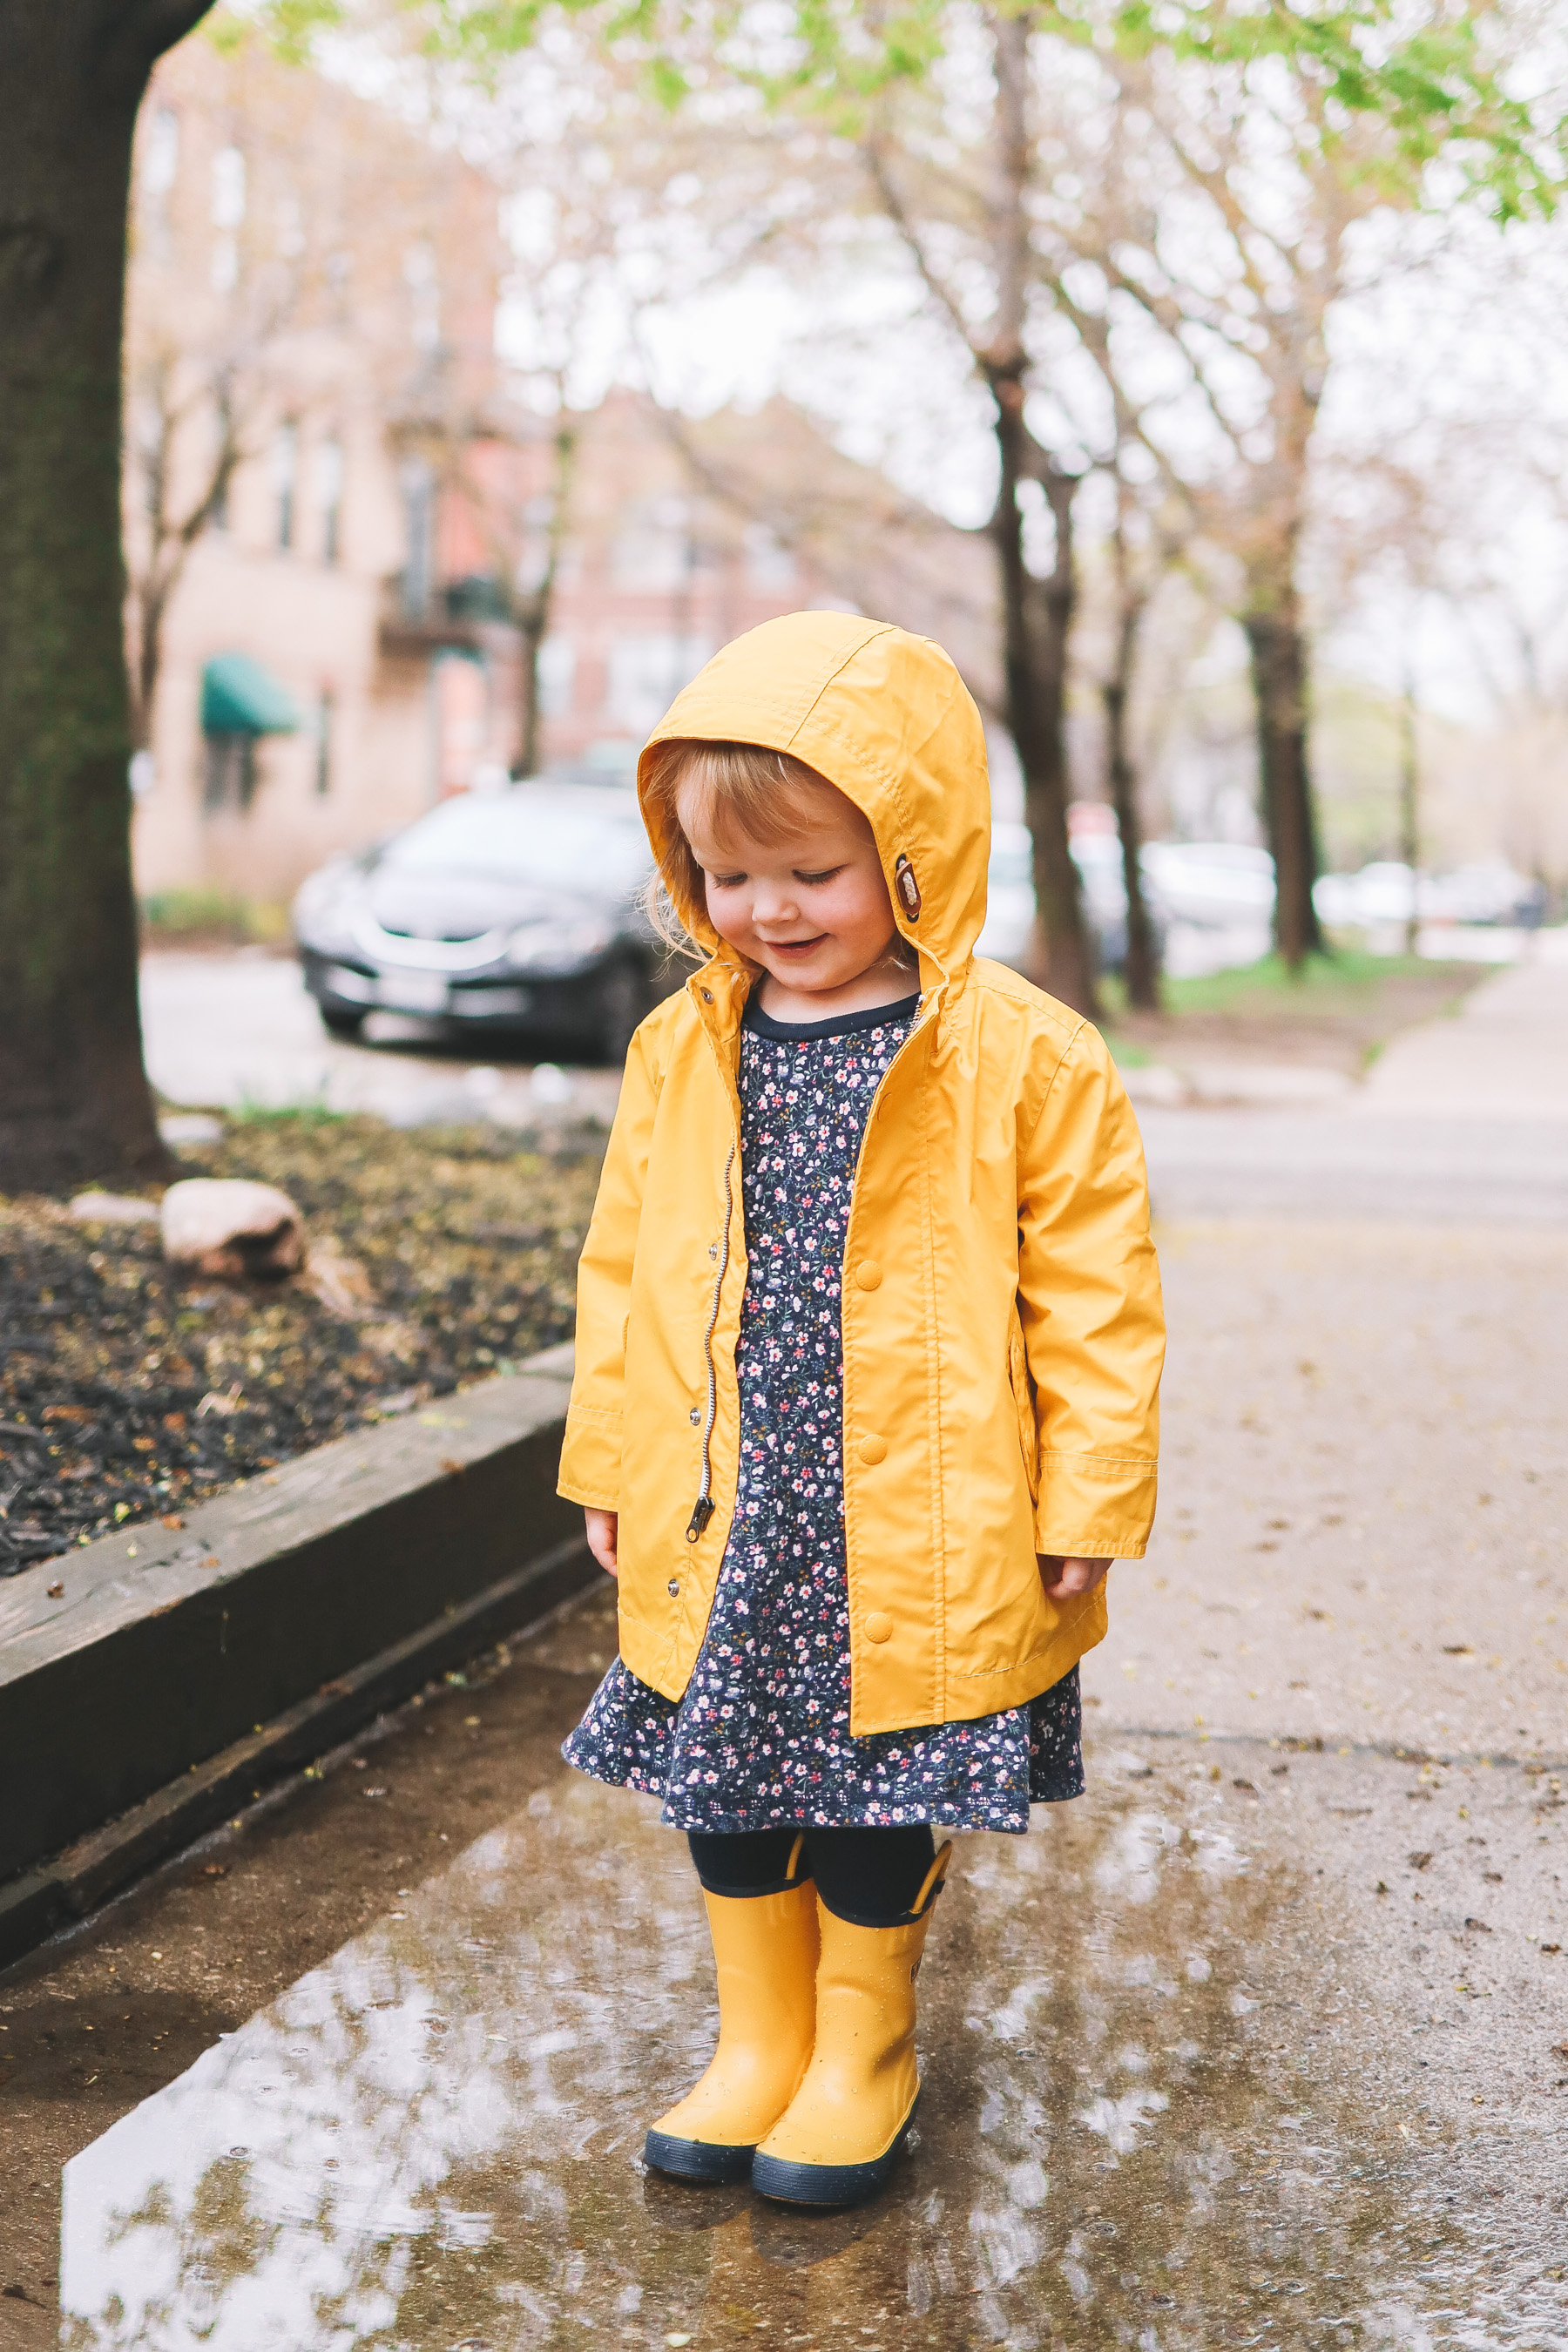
column 1130, row 2135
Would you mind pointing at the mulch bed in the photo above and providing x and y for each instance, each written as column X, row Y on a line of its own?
column 128, row 1391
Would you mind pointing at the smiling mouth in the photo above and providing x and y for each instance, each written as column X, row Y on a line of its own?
column 794, row 947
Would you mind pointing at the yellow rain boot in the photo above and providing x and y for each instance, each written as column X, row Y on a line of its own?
column 839, row 2138
column 764, row 1946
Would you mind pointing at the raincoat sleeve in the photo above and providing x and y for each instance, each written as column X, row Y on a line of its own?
column 1089, row 1301
column 591, row 1451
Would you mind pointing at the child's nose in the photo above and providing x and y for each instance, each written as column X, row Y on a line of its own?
column 773, row 904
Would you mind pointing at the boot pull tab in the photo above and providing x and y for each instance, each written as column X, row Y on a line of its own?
column 793, row 1861
column 908, row 888
column 930, row 1884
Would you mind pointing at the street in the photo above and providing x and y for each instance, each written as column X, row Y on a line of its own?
column 1264, row 2042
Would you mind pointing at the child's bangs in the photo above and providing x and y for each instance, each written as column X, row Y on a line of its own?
column 735, row 789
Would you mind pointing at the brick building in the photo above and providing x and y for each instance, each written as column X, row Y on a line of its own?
column 347, row 638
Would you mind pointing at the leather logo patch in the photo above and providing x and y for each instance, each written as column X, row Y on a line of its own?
column 909, row 889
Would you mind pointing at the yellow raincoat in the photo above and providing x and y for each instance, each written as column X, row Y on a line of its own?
column 1003, row 1335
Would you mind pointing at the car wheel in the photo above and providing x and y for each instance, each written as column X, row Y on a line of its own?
column 620, row 1003
column 342, row 1020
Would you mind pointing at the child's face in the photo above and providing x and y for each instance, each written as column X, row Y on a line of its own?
column 813, row 909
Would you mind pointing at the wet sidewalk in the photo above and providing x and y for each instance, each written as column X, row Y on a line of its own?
column 1264, row 2042
column 1151, row 2117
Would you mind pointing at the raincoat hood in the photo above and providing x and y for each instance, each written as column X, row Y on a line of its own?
column 886, row 717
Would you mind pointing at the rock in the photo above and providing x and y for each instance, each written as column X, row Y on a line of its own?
column 113, row 1209
column 230, row 1227
column 190, row 1127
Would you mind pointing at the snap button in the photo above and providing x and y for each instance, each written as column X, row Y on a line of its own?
column 872, row 1449
column 868, row 1273
column 708, row 996
column 673, row 1587
column 695, row 1415
column 878, row 1626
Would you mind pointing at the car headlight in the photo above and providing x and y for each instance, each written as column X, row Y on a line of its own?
column 547, row 946
column 321, row 913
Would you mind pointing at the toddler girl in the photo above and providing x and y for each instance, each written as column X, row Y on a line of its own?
column 868, row 1346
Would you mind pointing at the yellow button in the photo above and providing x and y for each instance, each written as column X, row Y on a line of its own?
column 868, row 1273
column 878, row 1627
column 872, row 1449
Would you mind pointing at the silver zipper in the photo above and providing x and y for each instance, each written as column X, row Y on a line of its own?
column 703, row 1508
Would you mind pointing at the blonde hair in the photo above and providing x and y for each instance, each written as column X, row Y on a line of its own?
column 764, row 794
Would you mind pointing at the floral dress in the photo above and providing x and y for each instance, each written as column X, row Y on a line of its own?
column 762, row 1736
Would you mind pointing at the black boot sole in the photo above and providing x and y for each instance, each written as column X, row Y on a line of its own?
column 704, row 2161
column 828, row 2184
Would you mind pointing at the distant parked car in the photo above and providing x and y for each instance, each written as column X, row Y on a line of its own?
column 1218, row 885
column 512, row 911
column 1010, row 895
column 1387, row 892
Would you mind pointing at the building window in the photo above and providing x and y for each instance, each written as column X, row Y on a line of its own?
column 160, row 152
column 646, row 672
column 652, row 552
column 557, row 676
column 423, row 279
column 324, row 743
column 419, row 535
column 160, row 166
column 769, row 563
column 228, row 214
column 330, row 492
column 285, row 474
column 230, row 779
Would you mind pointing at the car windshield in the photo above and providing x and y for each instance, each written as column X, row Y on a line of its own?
column 525, row 836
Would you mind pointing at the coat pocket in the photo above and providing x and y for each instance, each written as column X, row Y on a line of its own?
column 1024, row 1401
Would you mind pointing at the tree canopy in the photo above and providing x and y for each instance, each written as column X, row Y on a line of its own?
column 1445, row 80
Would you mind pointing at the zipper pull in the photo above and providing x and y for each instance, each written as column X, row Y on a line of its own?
column 701, row 1512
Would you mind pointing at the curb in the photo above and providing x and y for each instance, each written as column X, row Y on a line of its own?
column 179, row 1668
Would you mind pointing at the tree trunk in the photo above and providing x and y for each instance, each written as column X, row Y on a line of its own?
column 1141, row 974
column 1410, row 811
column 1036, row 619
column 74, row 1098
column 531, row 637
column 1279, row 651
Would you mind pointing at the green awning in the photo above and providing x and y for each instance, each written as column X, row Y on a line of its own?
column 240, row 697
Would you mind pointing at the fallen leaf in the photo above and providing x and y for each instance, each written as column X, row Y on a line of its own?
column 1481, row 1925
column 1419, row 1861
column 57, row 1593
column 172, row 1519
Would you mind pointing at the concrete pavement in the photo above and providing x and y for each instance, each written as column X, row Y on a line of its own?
column 1503, row 1055
column 238, row 1032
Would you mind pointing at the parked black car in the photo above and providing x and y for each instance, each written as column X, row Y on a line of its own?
column 511, row 911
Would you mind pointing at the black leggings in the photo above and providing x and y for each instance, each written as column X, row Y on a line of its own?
column 868, row 1877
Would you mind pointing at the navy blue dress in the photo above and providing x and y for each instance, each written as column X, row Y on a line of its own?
column 762, row 1736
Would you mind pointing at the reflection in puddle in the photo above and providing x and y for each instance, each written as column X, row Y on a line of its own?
column 433, row 2141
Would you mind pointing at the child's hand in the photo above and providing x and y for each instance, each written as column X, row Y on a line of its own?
column 604, row 1532
column 1063, row 1579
